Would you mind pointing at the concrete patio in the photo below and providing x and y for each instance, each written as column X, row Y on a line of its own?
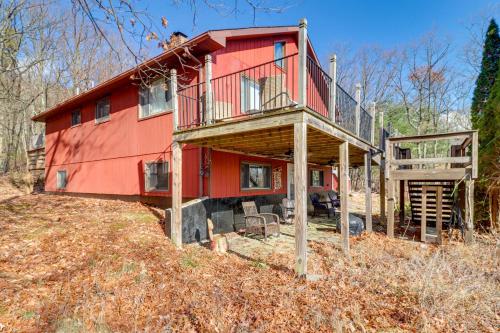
column 319, row 229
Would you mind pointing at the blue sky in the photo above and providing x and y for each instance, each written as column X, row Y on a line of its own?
column 385, row 23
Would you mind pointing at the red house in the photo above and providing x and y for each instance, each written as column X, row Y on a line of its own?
column 116, row 139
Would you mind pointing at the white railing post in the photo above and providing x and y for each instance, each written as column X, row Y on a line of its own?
column 373, row 112
column 208, row 95
column 333, row 87
column 173, row 86
column 303, row 62
column 358, row 107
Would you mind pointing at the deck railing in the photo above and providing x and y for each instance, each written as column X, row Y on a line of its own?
column 191, row 104
column 268, row 86
column 365, row 124
column 271, row 86
column 345, row 110
column 318, row 88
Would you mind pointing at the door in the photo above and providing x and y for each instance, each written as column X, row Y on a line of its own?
column 250, row 95
column 290, row 193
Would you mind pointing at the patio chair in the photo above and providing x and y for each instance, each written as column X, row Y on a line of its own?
column 259, row 223
column 287, row 207
column 321, row 207
column 334, row 198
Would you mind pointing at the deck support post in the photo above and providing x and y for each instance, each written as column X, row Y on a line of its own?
column 344, row 195
column 368, row 190
column 469, row 211
column 300, row 188
column 303, row 62
column 373, row 111
column 390, row 208
column 439, row 214
column 333, row 88
column 382, row 191
column 401, row 201
column 208, row 84
column 390, row 188
column 382, row 169
column 173, row 86
column 177, row 193
column 358, row 107
column 423, row 217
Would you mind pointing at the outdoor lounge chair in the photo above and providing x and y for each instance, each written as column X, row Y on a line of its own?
column 321, row 207
column 288, row 210
column 334, row 198
column 259, row 223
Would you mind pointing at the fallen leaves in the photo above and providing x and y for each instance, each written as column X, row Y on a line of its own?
column 95, row 265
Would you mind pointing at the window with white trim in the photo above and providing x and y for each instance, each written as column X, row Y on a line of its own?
column 317, row 178
column 61, row 179
column 102, row 109
column 155, row 98
column 156, row 176
column 255, row 176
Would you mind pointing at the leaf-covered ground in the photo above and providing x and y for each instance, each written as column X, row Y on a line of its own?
column 76, row 265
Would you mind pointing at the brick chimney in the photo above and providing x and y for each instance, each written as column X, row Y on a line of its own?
column 176, row 39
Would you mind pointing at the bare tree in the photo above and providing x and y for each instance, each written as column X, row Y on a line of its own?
column 46, row 55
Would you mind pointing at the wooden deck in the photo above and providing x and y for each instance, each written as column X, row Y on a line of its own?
column 304, row 129
column 312, row 138
column 272, row 135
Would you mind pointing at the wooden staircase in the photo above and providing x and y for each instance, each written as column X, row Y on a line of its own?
column 438, row 199
column 431, row 180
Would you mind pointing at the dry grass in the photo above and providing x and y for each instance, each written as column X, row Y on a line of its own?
column 75, row 265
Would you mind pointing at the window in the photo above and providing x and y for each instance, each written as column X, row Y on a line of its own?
column 255, row 176
column 250, row 95
column 76, row 117
column 155, row 99
column 156, row 176
column 102, row 108
column 317, row 178
column 62, row 180
column 279, row 53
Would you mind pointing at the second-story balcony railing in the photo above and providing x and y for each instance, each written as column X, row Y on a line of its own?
column 270, row 86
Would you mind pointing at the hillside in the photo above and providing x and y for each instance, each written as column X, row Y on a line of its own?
column 74, row 265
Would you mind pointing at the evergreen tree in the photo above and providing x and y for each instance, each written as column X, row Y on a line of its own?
column 489, row 134
column 486, row 78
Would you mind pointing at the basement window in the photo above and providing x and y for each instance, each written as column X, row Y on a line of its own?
column 76, row 118
column 317, row 178
column 62, row 180
column 102, row 109
column 156, row 98
column 156, row 176
column 255, row 176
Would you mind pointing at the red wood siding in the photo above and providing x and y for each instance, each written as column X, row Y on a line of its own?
column 225, row 176
column 109, row 158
